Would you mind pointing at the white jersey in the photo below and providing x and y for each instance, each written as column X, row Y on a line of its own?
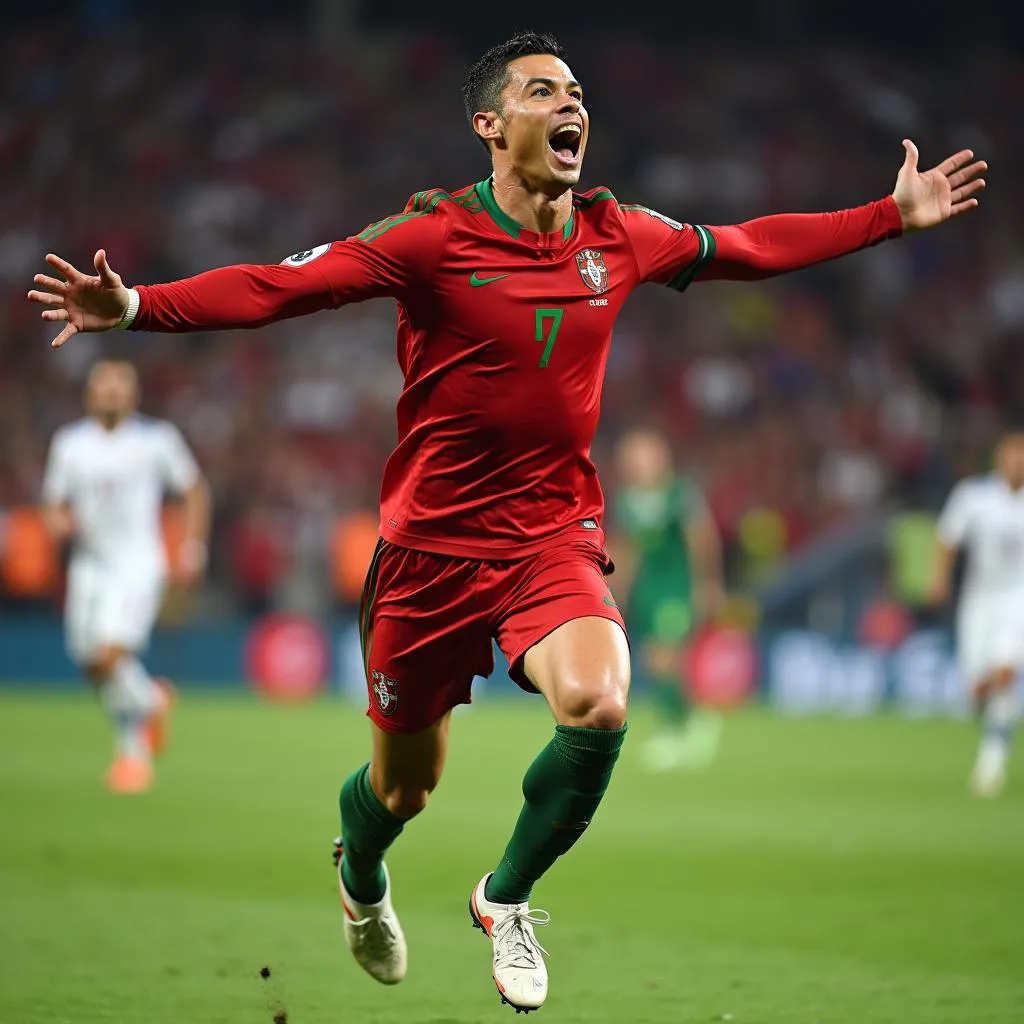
column 114, row 482
column 986, row 518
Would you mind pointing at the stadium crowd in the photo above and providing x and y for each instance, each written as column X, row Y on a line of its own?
column 798, row 404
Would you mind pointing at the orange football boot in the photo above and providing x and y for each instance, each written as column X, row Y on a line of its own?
column 129, row 775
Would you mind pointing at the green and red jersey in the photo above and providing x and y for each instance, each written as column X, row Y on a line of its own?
column 503, row 337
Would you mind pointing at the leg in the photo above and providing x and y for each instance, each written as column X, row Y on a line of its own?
column 130, row 695
column 137, row 706
column 423, row 642
column 660, row 663
column 992, row 643
column 107, row 618
column 660, row 620
column 376, row 802
column 417, row 668
column 558, row 625
column 999, row 704
column 689, row 736
column 582, row 669
column 380, row 797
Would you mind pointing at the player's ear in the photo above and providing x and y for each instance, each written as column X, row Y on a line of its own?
column 489, row 126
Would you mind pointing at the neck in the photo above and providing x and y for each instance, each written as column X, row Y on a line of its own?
column 528, row 206
column 656, row 485
column 109, row 420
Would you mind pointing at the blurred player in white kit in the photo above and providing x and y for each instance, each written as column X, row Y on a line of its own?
column 985, row 516
column 106, row 477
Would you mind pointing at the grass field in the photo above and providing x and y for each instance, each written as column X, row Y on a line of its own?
column 823, row 872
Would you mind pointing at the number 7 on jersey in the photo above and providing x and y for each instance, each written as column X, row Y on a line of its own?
column 555, row 316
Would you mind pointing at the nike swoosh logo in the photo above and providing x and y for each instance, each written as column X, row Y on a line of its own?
column 609, row 601
column 476, row 281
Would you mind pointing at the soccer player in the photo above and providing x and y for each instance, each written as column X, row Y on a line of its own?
column 105, row 479
column 676, row 557
column 507, row 291
column 985, row 516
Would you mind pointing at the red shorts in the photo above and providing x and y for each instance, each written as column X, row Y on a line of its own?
column 426, row 621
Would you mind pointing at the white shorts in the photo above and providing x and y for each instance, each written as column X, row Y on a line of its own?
column 990, row 634
column 109, row 607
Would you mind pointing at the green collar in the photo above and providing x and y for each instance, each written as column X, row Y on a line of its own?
column 485, row 191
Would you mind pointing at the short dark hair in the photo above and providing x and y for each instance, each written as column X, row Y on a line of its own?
column 486, row 78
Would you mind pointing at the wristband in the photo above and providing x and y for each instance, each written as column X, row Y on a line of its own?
column 131, row 310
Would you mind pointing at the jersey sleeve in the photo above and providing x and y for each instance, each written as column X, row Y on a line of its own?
column 955, row 518
column 666, row 251
column 178, row 467
column 393, row 257
column 57, row 477
column 676, row 254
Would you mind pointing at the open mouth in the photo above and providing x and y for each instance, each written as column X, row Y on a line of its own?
column 565, row 143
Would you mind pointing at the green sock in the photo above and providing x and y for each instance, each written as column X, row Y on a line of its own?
column 671, row 701
column 368, row 828
column 563, row 788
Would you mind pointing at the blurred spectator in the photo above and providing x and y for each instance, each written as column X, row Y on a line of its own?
column 258, row 559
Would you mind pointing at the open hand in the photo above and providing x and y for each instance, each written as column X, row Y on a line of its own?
column 81, row 302
column 927, row 198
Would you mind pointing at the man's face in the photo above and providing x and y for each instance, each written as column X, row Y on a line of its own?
column 1010, row 459
column 644, row 459
column 543, row 123
column 111, row 390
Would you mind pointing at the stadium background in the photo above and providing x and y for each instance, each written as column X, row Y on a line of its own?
column 826, row 413
column 823, row 870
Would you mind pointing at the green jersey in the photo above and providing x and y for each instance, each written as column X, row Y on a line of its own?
column 654, row 523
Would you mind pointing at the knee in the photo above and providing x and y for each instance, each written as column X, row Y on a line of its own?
column 587, row 708
column 406, row 797
column 405, row 800
column 102, row 663
column 94, row 672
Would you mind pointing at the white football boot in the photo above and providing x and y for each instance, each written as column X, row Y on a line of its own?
column 518, row 968
column 372, row 931
column 989, row 775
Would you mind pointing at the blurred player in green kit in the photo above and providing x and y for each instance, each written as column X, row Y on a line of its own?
column 673, row 564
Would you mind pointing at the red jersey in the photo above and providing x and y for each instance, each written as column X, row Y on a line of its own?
column 503, row 337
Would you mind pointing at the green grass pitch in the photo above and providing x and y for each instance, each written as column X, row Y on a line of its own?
column 822, row 872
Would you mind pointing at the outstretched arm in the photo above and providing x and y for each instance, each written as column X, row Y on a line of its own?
column 392, row 257
column 774, row 245
column 675, row 254
column 790, row 241
column 240, row 296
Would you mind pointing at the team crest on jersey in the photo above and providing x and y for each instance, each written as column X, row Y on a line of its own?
column 385, row 689
column 592, row 269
